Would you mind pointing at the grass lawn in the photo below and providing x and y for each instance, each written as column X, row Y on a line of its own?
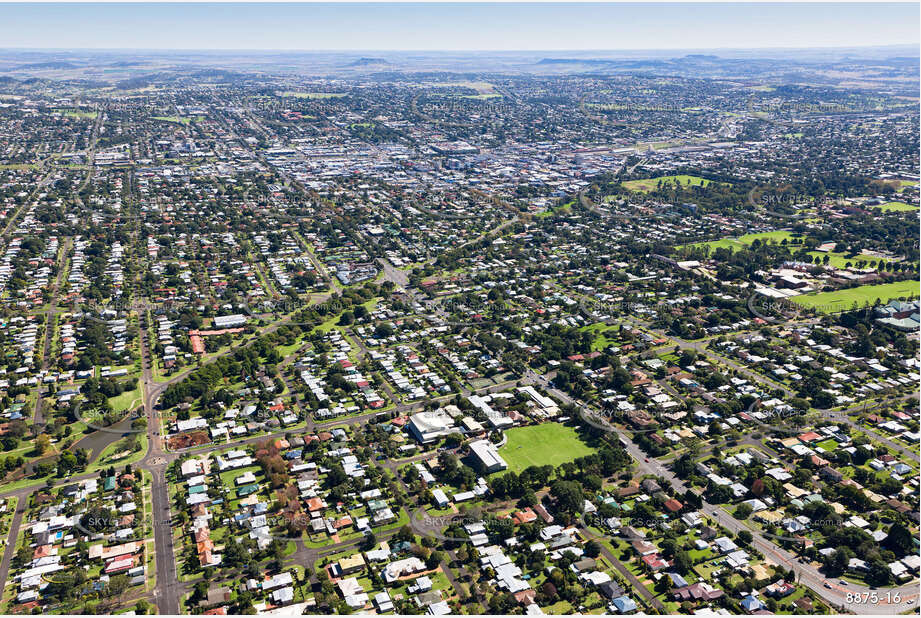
column 744, row 241
column 843, row 300
column 649, row 184
column 605, row 336
column 896, row 207
column 127, row 400
column 541, row 445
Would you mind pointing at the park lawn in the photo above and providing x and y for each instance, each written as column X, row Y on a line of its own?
column 649, row 184
column 843, row 300
column 744, row 241
column 541, row 445
column 331, row 323
column 602, row 340
column 896, row 207
column 127, row 400
column 105, row 457
column 286, row 350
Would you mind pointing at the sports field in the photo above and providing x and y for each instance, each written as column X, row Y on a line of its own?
column 840, row 260
column 542, row 445
column 176, row 119
column 744, row 241
column 896, row 207
column 649, row 184
column 311, row 95
column 843, row 300
column 78, row 113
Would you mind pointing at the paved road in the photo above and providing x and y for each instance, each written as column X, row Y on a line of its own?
column 627, row 574
column 10, row 548
column 50, row 314
column 842, row 416
column 839, row 416
column 167, row 591
column 807, row 574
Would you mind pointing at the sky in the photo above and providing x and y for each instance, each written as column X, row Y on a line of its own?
column 451, row 26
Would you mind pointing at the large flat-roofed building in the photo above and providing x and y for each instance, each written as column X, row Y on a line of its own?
column 485, row 452
column 429, row 426
column 229, row 321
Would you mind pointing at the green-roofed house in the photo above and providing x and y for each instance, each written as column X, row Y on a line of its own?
column 247, row 490
column 376, row 505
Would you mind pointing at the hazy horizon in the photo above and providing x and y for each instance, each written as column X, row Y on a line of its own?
column 356, row 50
column 455, row 27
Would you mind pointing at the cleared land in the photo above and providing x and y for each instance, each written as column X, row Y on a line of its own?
column 842, row 300
column 542, row 445
column 650, row 184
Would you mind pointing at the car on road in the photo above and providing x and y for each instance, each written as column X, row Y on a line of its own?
column 842, row 582
column 827, row 585
column 646, row 459
column 911, row 601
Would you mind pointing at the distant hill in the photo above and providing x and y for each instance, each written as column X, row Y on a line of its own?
column 363, row 62
column 58, row 65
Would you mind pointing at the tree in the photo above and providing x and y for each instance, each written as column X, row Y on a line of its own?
column 117, row 585
column 592, row 549
column 899, row 539
column 42, row 443
column 383, row 330
column 683, row 562
column 878, row 573
column 568, row 495
column 434, row 559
